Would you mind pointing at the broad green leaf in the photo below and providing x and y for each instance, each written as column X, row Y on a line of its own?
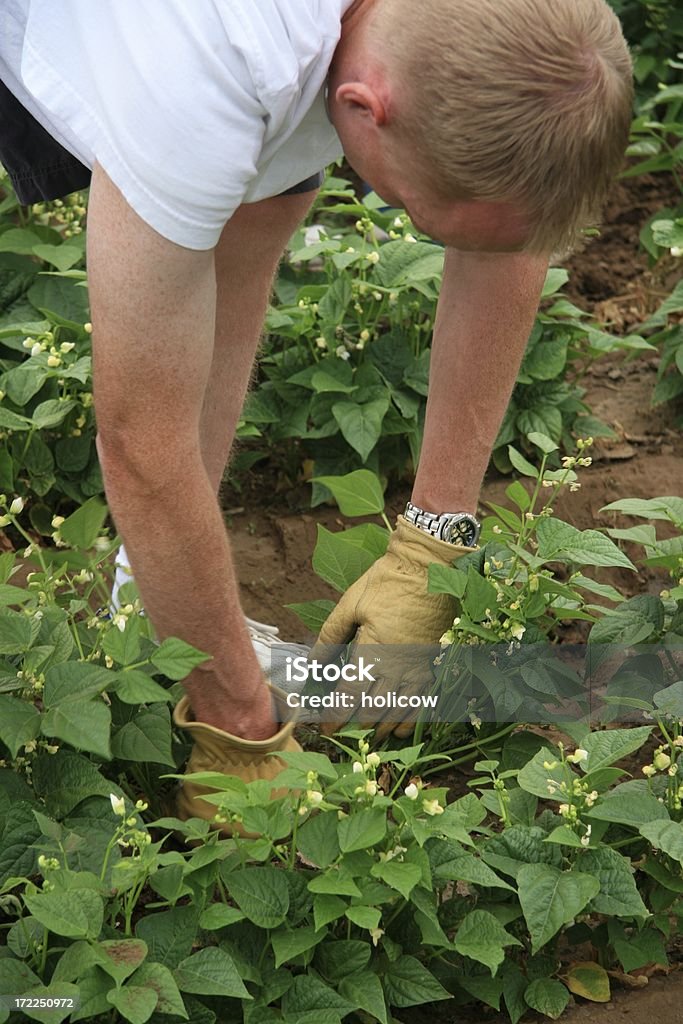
column 361, row 425
column 317, row 840
column 637, row 948
column 399, row 875
column 313, row 614
column 288, row 944
column 338, row 561
column 54, row 990
column 535, row 778
column 618, row 896
column 123, row 646
column 670, row 700
column 407, row 982
column 649, row 508
column 560, row 540
column 134, row 1003
column 15, row 632
column 519, row 846
column 309, row 1000
column 362, row 829
column 469, row 868
column 82, row 528
column 210, row 972
column 365, row 991
column 340, row 957
column 63, row 257
column 76, row 913
column 482, row 938
column 555, row 279
column 261, row 893
column 604, row 748
column 588, row 980
column 357, row 494
column 85, row 725
column 176, row 659
column 19, row 723
column 218, row 915
column 135, row 687
column 666, row 836
column 551, row 898
column 548, row 996
column 327, row 907
column 64, row 779
column 367, row 918
column 632, row 622
column 74, row 681
column 16, row 977
column 542, row 441
column 146, row 738
column 169, row 934
column 521, row 464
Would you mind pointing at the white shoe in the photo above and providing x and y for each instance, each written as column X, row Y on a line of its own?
column 272, row 652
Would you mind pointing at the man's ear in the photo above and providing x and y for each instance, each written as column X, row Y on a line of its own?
column 363, row 99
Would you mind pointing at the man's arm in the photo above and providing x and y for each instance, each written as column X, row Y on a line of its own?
column 485, row 313
column 157, row 360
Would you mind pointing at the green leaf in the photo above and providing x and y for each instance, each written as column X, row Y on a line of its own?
column 326, row 908
column 400, row 876
column 542, row 441
column 666, row 836
column 313, row 614
column 309, row 995
column 365, row 991
column 15, row 977
column 632, row 622
column 551, row 898
column 365, row 917
column 555, row 279
column 341, row 957
column 134, row 1003
column 74, row 681
column 548, row 996
column 210, row 972
column 169, row 935
column 176, row 659
column 159, row 979
column 469, row 868
column 482, row 938
column 76, row 914
column 85, row 726
column 288, row 944
column 261, row 893
column 362, row 829
column 637, row 948
column 590, row 981
column 64, row 779
column 338, row 561
column 361, row 425
column 146, row 738
column 63, row 257
column 618, row 895
column 82, row 528
column 218, row 915
column 317, row 840
column 535, row 778
column 123, row 646
column 19, row 723
column 521, row 464
column 407, row 982
column 604, row 748
column 135, row 687
column 670, row 508
column 357, row 494
column 54, row 990
column 15, row 632
column 560, row 540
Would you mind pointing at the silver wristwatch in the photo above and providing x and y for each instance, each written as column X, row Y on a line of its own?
column 453, row 527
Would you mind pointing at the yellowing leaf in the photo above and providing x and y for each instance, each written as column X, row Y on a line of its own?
column 590, row 981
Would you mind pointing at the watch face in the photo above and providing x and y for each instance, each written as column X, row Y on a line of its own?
column 461, row 530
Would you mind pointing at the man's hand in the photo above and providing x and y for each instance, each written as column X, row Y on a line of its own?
column 390, row 606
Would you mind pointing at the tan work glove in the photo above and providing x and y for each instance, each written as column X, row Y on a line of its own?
column 217, row 751
column 390, row 605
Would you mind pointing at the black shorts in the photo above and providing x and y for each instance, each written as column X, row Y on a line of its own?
column 41, row 169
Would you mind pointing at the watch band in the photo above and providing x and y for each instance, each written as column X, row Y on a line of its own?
column 453, row 527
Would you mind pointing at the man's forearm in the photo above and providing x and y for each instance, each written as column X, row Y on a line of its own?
column 485, row 314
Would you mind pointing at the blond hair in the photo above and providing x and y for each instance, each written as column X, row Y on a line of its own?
column 521, row 100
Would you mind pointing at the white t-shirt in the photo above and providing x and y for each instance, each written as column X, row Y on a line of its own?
column 192, row 107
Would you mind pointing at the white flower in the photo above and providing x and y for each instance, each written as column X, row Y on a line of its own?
column 676, row 250
column 16, row 507
column 372, row 257
column 678, row 742
column 409, row 238
column 357, row 767
column 66, row 346
column 314, row 796
column 411, row 791
column 518, row 631
column 36, row 349
column 365, row 335
column 371, row 787
column 376, row 934
column 432, row 807
column 342, row 352
column 579, row 755
column 5, row 520
column 118, row 805
column 54, row 361
column 661, row 760
column 57, row 521
column 649, row 770
column 87, row 328
column 373, row 760
column 320, row 342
